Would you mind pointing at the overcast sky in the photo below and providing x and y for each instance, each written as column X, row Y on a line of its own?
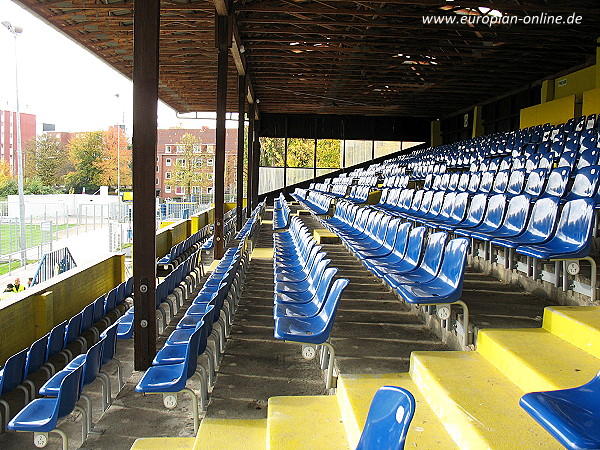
column 64, row 84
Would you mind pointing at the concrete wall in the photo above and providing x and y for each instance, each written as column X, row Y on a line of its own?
column 29, row 315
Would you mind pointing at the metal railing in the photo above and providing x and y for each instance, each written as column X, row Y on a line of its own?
column 53, row 264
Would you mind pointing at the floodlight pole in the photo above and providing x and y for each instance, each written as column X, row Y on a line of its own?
column 15, row 31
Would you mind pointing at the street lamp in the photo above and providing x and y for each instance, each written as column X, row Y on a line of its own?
column 15, row 32
column 119, row 158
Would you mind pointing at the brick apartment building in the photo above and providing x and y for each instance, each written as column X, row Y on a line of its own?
column 169, row 154
column 8, row 136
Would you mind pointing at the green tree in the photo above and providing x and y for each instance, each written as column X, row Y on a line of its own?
column 186, row 166
column 328, row 153
column 272, row 152
column 300, row 152
column 86, row 152
column 113, row 139
column 8, row 186
column 46, row 158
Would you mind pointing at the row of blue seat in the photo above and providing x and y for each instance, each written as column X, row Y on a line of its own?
column 182, row 249
column 42, row 355
column 64, row 389
column 281, row 213
column 317, row 203
column 208, row 317
column 177, row 361
column 422, row 272
column 306, row 297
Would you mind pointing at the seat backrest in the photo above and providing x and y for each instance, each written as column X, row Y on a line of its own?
column 69, row 392
column 535, row 182
column 93, row 362
column 415, row 245
column 576, row 224
column 191, row 354
column 110, row 341
column 98, row 308
column 557, row 182
column 324, row 284
column 495, row 210
column 516, row 182
column 56, row 341
column 453, row 182
column 426, row 202
column 460, row 206
column 401, row 238
column 87, row 317
column 327, row 313
column 389, row 417
column 501, row 182
column 13, row 372
column 436, row 203
column 434, row 249
column 474, row 182
column 543, row 217
column 568, row 159
column 73, row 329
column 487, row 181
column 453, row 266
column 463, row 182
column 416, row 200
column 517, row 211
column 588, row 158
column 585, row 184
column 36, row 356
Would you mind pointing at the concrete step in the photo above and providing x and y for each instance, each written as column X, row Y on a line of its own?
column 160, row 443
column 231, row 433
column 477, row 404
column 579, row 325
column 305, row 422
column 536, row 360
column 355, row 393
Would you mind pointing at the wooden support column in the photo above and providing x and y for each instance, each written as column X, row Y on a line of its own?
column 255, row 163
column 242, row 88
column 223, row 42
column 145, row 101
column 250, row 155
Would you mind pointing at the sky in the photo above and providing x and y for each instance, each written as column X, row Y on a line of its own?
column 64, row 84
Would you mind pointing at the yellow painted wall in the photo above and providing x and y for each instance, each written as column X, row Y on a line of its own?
column 591, row 102
column 554, row 112
column 31, row 314
column 180, row 231
column 163, row 242
column 575, row 83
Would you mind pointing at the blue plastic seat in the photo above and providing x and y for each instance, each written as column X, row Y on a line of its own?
column 585, row 184
column 474, row 215
column 516, row 182
column 446, row 287
column 568, row 159
column 453, row 212
column 309, row 308
column 403, row 260
column 492, row 220
column 41, row 415
column 172, row 378
column 540, row 225
column 501, row 182
column 314, row 330
column 571, row 416
column 389, row 417
column 109, row 350
column 36, row 358
column 428, row 267
column 56, row 343
column 11, row 376
column 535, row 183
column 514, row 221
column 557, row 183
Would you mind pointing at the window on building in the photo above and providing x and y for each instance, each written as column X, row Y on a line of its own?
column 209, row 190
column 157, row 182
column 168, row 175
column 168, row 162
column 167, row 189
column 180, row 190
column 168, row 149
column 198, row 162
column 209, row 176
column 181, row 162
column 180, row 148
column 157, row 168
column 210, row 162
column 197, row 148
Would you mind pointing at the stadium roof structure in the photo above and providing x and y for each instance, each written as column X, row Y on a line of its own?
column 340, row 57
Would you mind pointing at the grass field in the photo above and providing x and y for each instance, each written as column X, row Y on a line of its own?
column 9, row 236
column 5, row 267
